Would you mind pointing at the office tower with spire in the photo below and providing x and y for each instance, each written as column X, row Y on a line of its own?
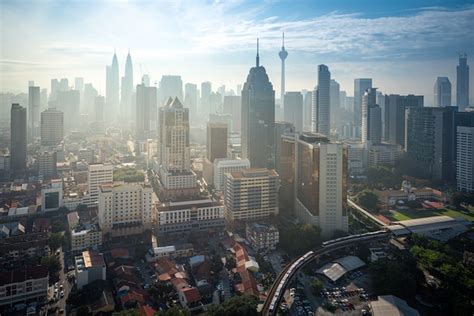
column 371, row 118
column 462, row 83
column 321, row 102
column 112, row 89
column 176, row 177
column 442, row 92
column 360, row 85
column 34, row 104
column 18, row 138
column 258, row 118
column 127, row 89
column 283, row 54
column 146, row 107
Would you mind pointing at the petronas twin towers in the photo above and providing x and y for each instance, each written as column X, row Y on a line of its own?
column 119, row 101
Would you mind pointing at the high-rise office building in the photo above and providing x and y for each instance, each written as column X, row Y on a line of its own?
column 176, row 176
column 281, row 128
column 442, row 92
column 34, row 105
column 395, row 106
column 371, row 118
column 191, row 101
column 98, row 174
column 216, row 141
column 58, row 85
column 146, row 109
column 69, row 103
column 465, row 159
column 127, row 89
column 430, row 141
column 233, row 106
column 314, row 180
column 205, row 104
column 462, row 83
column 52, row 127
column 170, row 87
column 18, row 138
column 99, row 105
column 335, row 102
column 283, row 54
column 88, row 99
column 79, row 83
column 250, row 194
column 46, row 162
column 293, row 110
column 258, row 118
column 112, row 89
column 307, row 109
column 321, row 102
column 360, row 85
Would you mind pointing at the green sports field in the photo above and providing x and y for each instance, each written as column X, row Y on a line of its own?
column 402, row 215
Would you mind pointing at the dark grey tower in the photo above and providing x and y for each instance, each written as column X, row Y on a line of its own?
column 321, row 102
column 462, row 83
column 18, row 138
column 258, row 118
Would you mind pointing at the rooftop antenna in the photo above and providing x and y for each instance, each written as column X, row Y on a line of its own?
column 258, row 57
column 283, row 41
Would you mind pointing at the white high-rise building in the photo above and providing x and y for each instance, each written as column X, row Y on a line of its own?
column 465, row 159
column 225, row 165
column 52, row 127
column 98, row 175
column 126, row 208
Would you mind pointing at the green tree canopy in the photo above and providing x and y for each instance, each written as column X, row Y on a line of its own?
column 367, row 199
column 244, row 305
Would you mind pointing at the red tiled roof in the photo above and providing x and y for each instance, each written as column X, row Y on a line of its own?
column 191, row 294
column 179, row 283
column 132, row 297
column 146, row 311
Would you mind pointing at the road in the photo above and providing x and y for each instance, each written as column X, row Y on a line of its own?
column 61, row 303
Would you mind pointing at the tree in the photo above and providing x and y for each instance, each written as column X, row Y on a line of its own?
column 82, row 310
column 383, row 177
column 316, row 286
column 54, row 266
column 244, row 305
column 127, row 312
column 55, row 241
column 363, row 252
column 368, row 200
column 173, row 311
column 299, row 239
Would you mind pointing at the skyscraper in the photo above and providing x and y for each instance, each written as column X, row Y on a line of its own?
column 205, row 105
column 335, row 101
column 34, row 104
column 465, row 158
column 88, row 99
column 216, row 141
column 233, row 106
column 69, row 102
column 360, row 85
column 146, row 107
column 18, row 138
column 258, row 118
column 314, row 179
column 430, row 141
column 395, row 106
column 462, row 83
column 52, row 127
column 283, row 54
column 371, row 118
column 170, row 87
column 293, row 111
column 190, row 100
column 321, row 102
column 112, row 89
column 127, row 89
column 176, row 176
column 307, row 109
column 442, row 92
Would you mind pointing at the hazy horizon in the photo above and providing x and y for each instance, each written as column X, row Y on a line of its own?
column 402, row 46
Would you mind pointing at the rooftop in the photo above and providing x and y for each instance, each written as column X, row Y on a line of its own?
column 22, row 274
column 389, row 305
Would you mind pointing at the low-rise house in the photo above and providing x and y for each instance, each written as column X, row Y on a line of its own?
column 262, row 237
column 25, row 284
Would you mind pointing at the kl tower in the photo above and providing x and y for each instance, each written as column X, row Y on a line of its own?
column 283, row 54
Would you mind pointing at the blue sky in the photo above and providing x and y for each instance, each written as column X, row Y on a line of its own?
column 402, row 45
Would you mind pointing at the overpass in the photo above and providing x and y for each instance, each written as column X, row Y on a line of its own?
column 275, row 294
column 365, row 213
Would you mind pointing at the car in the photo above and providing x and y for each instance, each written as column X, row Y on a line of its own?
column 62, row 294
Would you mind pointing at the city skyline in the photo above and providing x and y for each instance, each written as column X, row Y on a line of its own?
column 352, row 44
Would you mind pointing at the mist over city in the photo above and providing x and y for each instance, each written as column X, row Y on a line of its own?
column 176, row 158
